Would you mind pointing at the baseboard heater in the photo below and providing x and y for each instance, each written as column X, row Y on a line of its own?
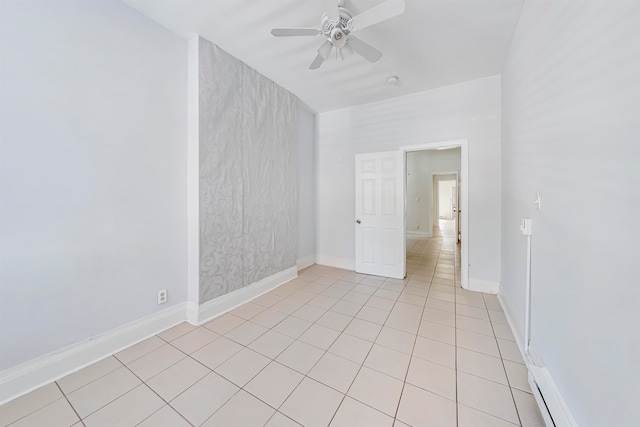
column 552, row 406
column 542, row 403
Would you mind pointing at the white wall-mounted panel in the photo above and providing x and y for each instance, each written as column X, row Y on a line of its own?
column 248, row 175
column 221, row 172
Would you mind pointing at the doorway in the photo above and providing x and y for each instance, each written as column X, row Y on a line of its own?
column 445, row 203
column 448, row 198
column 444, row 199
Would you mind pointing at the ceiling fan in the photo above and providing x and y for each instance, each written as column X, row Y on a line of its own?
column 338, row 26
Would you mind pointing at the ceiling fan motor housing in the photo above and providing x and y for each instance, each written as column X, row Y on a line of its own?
column 343, row 22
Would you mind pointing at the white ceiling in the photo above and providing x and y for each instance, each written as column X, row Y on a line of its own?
column 433, row 44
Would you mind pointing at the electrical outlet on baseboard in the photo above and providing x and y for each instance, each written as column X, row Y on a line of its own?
column 162, row 296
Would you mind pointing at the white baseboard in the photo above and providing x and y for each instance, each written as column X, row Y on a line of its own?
column 553, row 408
column 305, row 262
column 329, row 261
column 415, row 233
column 486, row 286
column 198, row 315
column 514, row 321
column 28, row 376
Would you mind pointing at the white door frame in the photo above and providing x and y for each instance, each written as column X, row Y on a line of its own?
column 464, row 195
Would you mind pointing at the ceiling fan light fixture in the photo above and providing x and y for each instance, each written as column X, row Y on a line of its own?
column 325, row 50
column 338, row 37
column 345, row 51
column 393, row 80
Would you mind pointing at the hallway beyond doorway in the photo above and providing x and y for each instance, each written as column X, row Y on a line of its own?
column 445, row 228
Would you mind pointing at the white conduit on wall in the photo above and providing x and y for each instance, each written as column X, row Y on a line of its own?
column 527, row 318
column 542, row 385
column 537, row 372
column 526, row 229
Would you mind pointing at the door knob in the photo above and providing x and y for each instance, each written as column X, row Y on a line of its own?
column 358, row 221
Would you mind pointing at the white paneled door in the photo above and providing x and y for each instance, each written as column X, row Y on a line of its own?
column 380, row 239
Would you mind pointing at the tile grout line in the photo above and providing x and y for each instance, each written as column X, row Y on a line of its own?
column 345, row 394
column 404, row 384
column 324, row 353
column 513, row 399
column 150, row 388
column 455, row 333
column 69, row 402
column 305, row 375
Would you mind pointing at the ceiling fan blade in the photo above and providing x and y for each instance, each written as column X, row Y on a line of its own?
column 379, row 13
column 288, row 32
column 316, row 62
column 367, row 51
column 325, row 49
column 331, row 9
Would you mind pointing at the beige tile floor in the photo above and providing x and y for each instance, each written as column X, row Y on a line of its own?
column 331, row 347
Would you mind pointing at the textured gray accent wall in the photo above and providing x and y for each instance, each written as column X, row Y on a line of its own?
column 248, row 174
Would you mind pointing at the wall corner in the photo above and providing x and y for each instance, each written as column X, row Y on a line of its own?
column 193, row 172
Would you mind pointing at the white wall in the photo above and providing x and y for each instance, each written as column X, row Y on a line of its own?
column 93, row 172
column 306, row 187
column 421, row 165
column 468, row 110
column 571, row 130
